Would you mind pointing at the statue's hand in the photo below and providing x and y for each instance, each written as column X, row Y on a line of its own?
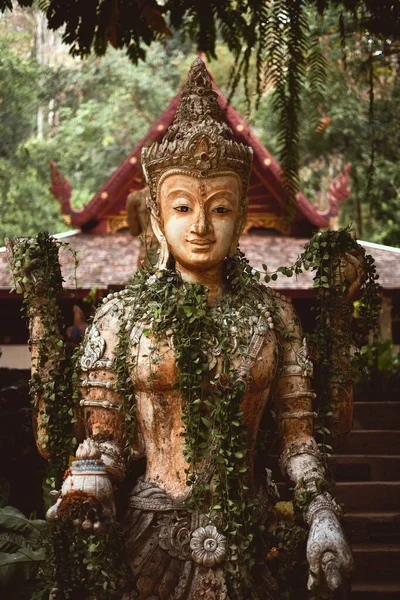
column 86, row 495
column 328, row 554
column 350, row 271
column 28, row 267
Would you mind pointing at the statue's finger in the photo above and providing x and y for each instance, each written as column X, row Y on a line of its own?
column 312, row 579
column 331, row 570
column 313, row 557
column 87, row 525
column 348, row 561
column 98, row 527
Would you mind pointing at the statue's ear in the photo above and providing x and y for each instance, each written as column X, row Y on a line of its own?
column 156, row 226
column 163, row 253
column 238, row 232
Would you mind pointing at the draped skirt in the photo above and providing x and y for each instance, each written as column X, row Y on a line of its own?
column 174, row 554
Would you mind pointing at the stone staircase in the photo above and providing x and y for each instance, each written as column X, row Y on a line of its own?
column 368, row 483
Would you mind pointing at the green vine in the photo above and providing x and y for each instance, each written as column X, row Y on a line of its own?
column 79, row 564
column 176, row 313
column 204, row 338
column 36, row 272
column 335, row 333
column 215, row 437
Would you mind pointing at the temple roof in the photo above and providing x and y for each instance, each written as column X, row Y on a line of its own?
column 108, row 261
column 268, row 199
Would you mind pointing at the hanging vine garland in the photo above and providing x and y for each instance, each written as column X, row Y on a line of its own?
column 36, row 272
column 77, row 564
column 215, row 443
column 215, row 436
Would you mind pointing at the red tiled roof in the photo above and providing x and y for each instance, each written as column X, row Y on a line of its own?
column 108, row 261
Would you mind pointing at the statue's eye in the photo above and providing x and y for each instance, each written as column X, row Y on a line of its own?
column 182, row 208
column 221, row 210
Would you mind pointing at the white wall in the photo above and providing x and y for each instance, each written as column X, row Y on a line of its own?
column 15, row 356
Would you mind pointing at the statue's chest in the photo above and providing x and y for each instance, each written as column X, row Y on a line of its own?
column 156, row 369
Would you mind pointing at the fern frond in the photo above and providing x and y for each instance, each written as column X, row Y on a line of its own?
column 316, row 71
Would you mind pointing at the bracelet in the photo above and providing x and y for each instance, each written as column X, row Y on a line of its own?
column 303, row 414
column 316, row 472
column 290, row 370
column 299, row 394
column 113, row 458
column 99, row 404
column 295, row 449
column 322, row 501
column 94, row 383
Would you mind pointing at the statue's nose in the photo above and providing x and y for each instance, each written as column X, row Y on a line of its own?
column 201, row 226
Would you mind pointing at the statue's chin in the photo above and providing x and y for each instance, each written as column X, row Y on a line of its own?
column 199, row 263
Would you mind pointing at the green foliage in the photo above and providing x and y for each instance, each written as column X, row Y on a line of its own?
column 72, row 563
column 79, row 564
column 94, row 115
column 277, row 33
column 26, row 205
column 21, row 550
column 36, row 271
column 345, row 132
column 287, row 542
column 334, row 335
column 216, row 441
column 25, row 201
column 215, row 435
column 378, row 371
column 37, row 557
column 108, row 106
column 287, row 45
column 19, row 93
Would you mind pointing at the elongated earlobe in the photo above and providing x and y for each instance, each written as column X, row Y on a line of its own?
column 238, row 230
column 163, row 252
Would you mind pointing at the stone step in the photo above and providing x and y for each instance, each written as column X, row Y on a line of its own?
column 376, row 562
column 355, row 467
column 369, row 495
column 365, row 467
column 372, row 441
column 375, row 590
column 361, row 495
column 372, row 526
column 376, row 415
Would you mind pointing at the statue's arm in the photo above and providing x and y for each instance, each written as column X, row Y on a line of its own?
column 300, row 458
column 328, row 554
column 102, row 416
column 101, row 404
column 29, row 269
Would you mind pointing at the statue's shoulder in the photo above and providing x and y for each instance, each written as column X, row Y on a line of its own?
column 113, row 311
column 276, row 300
column 113, row 306
column 283, row 311
column 102, row 336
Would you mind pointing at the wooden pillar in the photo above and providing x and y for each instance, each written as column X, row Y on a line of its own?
column 385, row 319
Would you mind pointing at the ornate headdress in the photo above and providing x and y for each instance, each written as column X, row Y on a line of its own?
column 199, row 142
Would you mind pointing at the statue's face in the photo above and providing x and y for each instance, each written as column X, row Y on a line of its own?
column 198, row 218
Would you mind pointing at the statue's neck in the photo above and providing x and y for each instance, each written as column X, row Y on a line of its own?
column 212, row 278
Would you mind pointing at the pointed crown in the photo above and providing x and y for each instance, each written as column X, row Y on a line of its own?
column 199, row 142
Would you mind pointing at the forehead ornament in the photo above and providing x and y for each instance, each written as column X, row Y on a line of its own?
column 199, row 142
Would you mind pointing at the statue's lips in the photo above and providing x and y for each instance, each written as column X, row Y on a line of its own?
column 200, row 244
